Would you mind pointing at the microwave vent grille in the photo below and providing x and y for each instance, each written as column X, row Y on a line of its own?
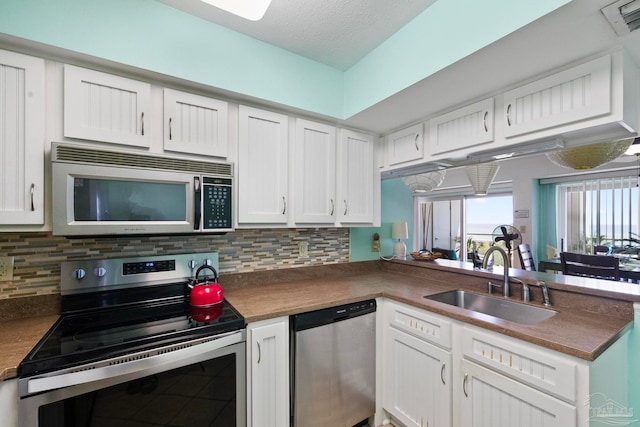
column 66, row 153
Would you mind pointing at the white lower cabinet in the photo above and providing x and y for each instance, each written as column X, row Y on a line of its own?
column 268, row 373
column 418, row 393
column 439, row 372
column 417, row 367
column 9, row 403
column 493, row 400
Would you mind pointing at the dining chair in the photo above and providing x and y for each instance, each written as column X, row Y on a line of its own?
column 596, row 266
column 601, row 250
column 526, row 257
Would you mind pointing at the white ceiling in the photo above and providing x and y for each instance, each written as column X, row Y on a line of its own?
column 340, row 32
column 334, row 32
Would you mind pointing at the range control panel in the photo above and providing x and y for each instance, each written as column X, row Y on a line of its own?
column 92, row 275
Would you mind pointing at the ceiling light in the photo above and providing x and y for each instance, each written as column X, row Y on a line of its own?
column 481, row 175
column 589, row 156
column 253, row 10
column 425, row 181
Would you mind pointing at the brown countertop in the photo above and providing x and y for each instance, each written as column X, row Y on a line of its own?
column 18, row 337
column 584, row 327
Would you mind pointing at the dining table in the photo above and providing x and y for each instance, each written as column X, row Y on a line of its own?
column 629, row 268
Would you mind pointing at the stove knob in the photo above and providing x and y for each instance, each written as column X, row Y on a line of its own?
column 207, row 262
column 100, row 271
column 79, row 273
column 193, row 264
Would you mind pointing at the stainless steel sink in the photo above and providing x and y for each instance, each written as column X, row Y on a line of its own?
column 496, row 307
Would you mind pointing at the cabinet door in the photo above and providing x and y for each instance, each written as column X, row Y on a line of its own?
column 268, row 373
column 405, row 145
column 104, row 107
column 262, row 167
column 195, row 124
column 417, row 381
column 21, row 139
column 355, row 177
column 466, row 127
column 492, row 400
column 576, row 94
column 314, row 166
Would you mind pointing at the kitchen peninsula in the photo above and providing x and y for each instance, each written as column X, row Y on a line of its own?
column 593, row 320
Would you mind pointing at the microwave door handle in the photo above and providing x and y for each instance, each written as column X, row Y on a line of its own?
column 197, row 202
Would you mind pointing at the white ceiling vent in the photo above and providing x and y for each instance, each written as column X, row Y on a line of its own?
column 623, row 15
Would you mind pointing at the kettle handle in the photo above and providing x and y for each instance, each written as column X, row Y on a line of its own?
column 202, row 267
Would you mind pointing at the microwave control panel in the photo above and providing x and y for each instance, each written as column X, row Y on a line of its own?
column 216, row 203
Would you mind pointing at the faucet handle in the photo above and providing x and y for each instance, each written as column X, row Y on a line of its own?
column 491, row 285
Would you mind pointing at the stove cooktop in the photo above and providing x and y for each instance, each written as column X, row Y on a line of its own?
column 87, row 337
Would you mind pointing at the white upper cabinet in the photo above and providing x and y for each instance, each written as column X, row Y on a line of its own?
column 405, row 145
column 576, row 94
column 463, row 128
column 104, row 107
column 22, row 121
column 314, row 180
column 195, row 124
column 262, row 167
column 356, row 198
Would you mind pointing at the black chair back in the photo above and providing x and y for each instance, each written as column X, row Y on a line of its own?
column 596, row 266
column 526, row 257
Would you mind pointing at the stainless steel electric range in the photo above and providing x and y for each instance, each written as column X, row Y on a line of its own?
column 129, row 348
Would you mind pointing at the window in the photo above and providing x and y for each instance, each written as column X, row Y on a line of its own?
column 598, row 212
column 447, row 223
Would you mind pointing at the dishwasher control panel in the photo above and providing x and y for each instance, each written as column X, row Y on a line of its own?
column 325, row 316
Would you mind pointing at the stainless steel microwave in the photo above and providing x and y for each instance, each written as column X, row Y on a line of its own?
column 106, row 192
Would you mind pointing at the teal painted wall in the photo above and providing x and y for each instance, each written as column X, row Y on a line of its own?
column 446, row 32
column 153, row 36
column 397, row 206
column 634, row 364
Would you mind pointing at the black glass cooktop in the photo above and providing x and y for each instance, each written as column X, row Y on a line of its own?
column 84, row 337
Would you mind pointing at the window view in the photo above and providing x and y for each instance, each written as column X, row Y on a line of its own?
column 450, row 225
column 598, row 216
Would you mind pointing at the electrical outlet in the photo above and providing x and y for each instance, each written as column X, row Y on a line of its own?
column 303, row 249
column 375, row 243
column 6, row 268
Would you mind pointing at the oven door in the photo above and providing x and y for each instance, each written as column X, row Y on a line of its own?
column 199, row 383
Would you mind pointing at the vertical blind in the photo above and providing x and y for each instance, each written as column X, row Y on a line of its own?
column 597, row 212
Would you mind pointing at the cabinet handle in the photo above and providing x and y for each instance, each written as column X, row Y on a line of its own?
column 333, row 207
column 33, row 189
column 284, row 205
column 259, row 353
column 442, row 373
column 346, row 207
column 509, row 115
column 416, row 141
column 142, row 120
column 486, row 128
column 170, row 133
column 464, row 384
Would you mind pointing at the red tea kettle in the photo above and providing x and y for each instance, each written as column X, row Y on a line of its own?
column 203, row 293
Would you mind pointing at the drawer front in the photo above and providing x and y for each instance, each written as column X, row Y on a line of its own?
column 522, row 361
column 423, row 325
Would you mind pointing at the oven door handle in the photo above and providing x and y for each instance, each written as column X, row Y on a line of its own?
column 140, row 362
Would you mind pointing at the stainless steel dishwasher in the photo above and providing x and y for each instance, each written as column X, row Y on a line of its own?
column 333, row 366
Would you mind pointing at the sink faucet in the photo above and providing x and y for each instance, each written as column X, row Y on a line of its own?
column 505, row 286
column 546, row 301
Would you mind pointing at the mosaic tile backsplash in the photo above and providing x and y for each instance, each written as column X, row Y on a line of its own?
column 38, row 255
